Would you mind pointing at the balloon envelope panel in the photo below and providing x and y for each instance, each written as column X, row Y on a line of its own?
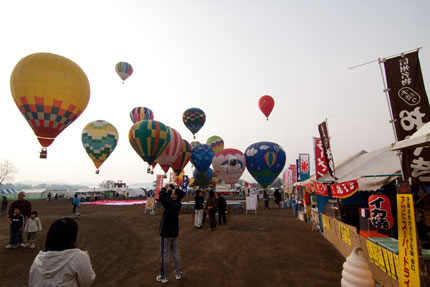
column 201, row 157
column 51, row 92
column 265, row 161
column 216, row 143
column 171, row 152
column 183, row 158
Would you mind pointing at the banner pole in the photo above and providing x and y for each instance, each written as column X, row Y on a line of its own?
column 392, row 121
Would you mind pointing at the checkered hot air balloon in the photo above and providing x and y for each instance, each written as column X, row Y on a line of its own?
column 51, row 92
column 140, row 114
column 216, row 143
column 194, row 119
column 265, row 161
column 99, row 139
column 149, row 138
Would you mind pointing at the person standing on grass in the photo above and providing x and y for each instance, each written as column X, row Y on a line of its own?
column 212, row 207
column 198, row 210
column 169, row 231
column 222, row 205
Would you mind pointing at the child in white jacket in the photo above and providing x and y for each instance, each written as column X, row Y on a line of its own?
column 32, row 226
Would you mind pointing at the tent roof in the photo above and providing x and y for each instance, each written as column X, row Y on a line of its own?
column 372, row 169
column 420, row 138
column 34, row 190
column 337, row 165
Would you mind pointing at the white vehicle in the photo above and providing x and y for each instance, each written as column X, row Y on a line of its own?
column 85, row 195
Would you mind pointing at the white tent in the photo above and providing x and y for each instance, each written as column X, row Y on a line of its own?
column 420, row 138
column 136, row 192
column 372, row 169
column 36, row 193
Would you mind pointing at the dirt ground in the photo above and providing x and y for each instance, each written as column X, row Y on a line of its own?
column 272, row 248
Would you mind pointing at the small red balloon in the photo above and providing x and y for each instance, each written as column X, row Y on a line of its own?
column 266, row 104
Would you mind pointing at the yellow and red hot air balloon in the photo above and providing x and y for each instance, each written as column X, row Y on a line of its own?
column 51, row 92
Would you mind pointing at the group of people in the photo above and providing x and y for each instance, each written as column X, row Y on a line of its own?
column 214, row 205
column 22, row 221
column 277, row 198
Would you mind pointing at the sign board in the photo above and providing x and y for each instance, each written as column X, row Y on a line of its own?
column 149, row 204
column 251, row 203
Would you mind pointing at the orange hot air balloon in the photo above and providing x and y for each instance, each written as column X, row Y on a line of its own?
column 266, row 104
column 51, row 92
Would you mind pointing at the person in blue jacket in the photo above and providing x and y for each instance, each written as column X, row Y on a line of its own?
column 169, row 231
column 76, row 204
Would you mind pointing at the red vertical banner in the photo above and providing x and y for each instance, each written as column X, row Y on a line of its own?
column 410, row 110
column 321, row 168
column 158, row 185
column 380, row 211
column 293, row 168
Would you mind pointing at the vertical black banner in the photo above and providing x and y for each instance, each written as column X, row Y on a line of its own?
column 322, row 128
column 411, row 110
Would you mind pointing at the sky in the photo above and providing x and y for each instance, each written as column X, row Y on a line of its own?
column 220, row 56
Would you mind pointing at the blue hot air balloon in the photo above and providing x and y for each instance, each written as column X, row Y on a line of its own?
column 209, row 173
column 201, row 157
column 265, row 161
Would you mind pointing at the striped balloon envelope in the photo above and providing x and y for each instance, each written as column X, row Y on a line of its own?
column 99, row 139
column 140, row 114
column 183, row 158
column 169, row 155
column 124, row 70
column 149, row 138
column 51, row 92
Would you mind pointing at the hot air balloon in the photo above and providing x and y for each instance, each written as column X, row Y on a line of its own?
column 265, row 161
column 149, row 138
column 208, row 173
column 194, row 119
column 140, row 114
column 216, row 143
column 51, row 92
column 99, row 139
column 193, row 143
column 148, row 170
column 169, row 155
column 266, row 104
column 229, row 165
column 124, row 70
column 201, row 157
column 183, row 158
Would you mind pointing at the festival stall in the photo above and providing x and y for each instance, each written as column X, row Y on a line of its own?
column 358, row 209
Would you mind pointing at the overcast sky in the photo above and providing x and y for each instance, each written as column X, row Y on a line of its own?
column 220, row 56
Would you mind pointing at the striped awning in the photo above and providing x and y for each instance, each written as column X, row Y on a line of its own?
column 8, row 191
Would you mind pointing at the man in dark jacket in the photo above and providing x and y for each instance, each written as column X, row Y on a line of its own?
column 169, row 231
column 198, row 209
column 222, row 205
column 25, row 207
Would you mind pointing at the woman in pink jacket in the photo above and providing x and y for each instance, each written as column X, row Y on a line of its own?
column 61, row 263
